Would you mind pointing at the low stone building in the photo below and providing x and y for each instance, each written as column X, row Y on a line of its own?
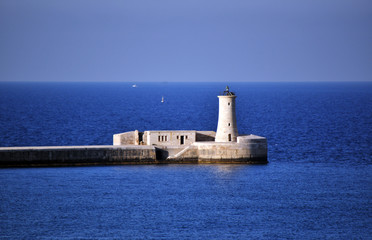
column 163, row 137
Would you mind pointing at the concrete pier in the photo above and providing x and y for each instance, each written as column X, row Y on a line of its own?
column 250, row 149
column 76, row 156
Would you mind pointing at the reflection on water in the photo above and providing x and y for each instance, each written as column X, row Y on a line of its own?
column 226, row 171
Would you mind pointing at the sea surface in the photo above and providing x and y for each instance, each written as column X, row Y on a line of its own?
column 317, row 185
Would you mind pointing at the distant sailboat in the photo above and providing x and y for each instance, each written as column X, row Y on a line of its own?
column 134, row 85
column 162, row 99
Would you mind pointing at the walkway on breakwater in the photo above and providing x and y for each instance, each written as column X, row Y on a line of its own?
column 76, row 156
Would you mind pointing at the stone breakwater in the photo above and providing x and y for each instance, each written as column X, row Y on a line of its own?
column 132, row 154
column 76, row 156
column 154, row 147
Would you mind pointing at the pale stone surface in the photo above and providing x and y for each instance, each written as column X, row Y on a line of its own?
column 248, row 149
column 253, row 149
column 227, row 130
column 250, row 138
column 171, row 137
column 76, row 155
column 125, row 138
column 178, row 137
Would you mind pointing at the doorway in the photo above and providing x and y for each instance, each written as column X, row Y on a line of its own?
column 182, row 140
column 229, row 137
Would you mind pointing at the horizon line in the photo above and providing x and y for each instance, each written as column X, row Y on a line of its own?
column 135, row 82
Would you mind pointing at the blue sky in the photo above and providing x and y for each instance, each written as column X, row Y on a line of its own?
column 189, row 40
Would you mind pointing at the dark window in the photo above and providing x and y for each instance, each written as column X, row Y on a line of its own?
column 229, row 124
column 229, row 137
column 228, row 104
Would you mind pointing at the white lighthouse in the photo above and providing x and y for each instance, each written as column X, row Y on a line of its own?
column 227, row 130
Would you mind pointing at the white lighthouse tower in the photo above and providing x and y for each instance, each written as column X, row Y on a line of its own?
column 227, row 130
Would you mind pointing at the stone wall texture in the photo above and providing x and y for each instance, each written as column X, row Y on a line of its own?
column 76, row 155
column 248, row 149
column 126, row 138
column 174, row 138
column 204, row 136
column 227, row 130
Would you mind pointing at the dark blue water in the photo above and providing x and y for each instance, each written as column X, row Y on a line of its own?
column 318, row 183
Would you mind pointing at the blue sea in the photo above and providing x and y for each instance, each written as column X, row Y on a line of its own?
column 317, row 185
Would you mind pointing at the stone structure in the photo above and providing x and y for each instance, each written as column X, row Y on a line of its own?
column 163, row 138
column 225, row 145
column 76, row 156
column 227, row 130
column 153, row 147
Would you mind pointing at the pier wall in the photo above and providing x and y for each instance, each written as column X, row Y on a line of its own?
column 76, row 156
column 231, row 153
column 247, row 149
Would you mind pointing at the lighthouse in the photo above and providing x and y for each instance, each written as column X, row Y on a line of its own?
column 227, row 130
